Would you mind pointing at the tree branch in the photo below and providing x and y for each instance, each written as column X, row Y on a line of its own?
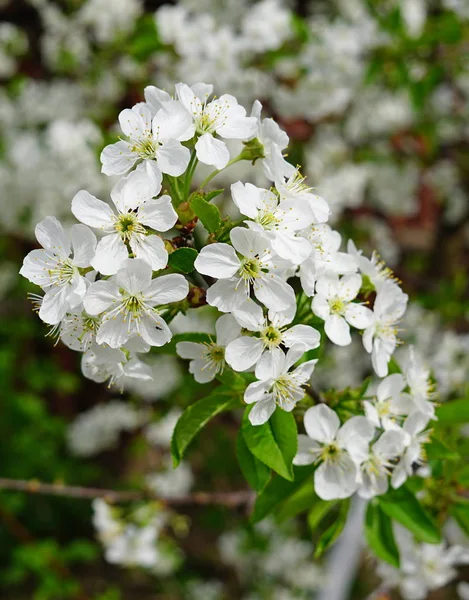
column 229, row 499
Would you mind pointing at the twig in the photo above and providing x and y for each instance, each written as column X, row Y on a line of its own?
column 229, row 499
column 314, row 394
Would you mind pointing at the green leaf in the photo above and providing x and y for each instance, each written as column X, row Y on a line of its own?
column 463, row 476
column 256, row 473
column 275, row 442
column 299, row 502
column 278, row 490
column 402, row 506
column 437, row 450
column 454, row 411
column 213, row 194
column 207, row 213
column 332, row 533
column 318, row 511
column 460, row 512
column 380, row 536
column 183, row 259
column 197, row 416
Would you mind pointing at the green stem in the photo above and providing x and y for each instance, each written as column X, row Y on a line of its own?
column 190, row 173
column 240, row 156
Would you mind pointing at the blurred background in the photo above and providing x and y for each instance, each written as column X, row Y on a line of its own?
column 374, row 96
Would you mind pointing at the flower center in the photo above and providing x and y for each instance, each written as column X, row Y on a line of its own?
column 145, row 147
column 383, row 408
column 271, row 336
column 337, row 306
column 268, row 220
column 284, row 389
column 127, row 225
column 62, row 273
column 296, row 184
column 133, row 304
column 330, row 453
column 250, row 269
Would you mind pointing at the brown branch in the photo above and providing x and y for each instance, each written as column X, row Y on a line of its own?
column 229, row 499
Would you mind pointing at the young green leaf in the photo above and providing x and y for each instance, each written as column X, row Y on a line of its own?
column 275, row 442
column 299, row 502
column 278, row 490
column 207, row 213
column 402, row 506
column 379, row 535
column 460, row 512
column 256, row 473
column 318, row 511
column 197, row 416
column 455, row 411
column 183, row 259
column 332, row 533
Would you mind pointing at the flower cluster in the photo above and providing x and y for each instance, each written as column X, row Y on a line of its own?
column 278, row 275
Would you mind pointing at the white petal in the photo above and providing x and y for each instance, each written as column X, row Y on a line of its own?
column 139, row 186
column 117, row 158
column 321, row 423
column 307, row 451
column 190, row 350
column 100, row 296
column 135, row 122
column 151, row 249
column 91, row 211
column 246, row 197
column 336, row 480
column 349, row 286
column 273, row 292
column 173, row 121
column 358, row 315
column 227, row 294
column 302, row 334
column 167, row 289
column 217, row 260
column 256, row 391
column 290, row 247
column 390, row 387
column 202, row 370
column 338, row 330
column 36, row 267
column 250, row 315
column 114, row 331
column 248, row 242
column 134, row 276
column 173, row 158
column 320, row 307
column 212, row 152
column 54, row 305
column 84, row 245
column 111, row 252
column 262, row 411
column 270, row 364
column 50, row 234
column 158, row 214
column 155, row 331
column 243, row 353
column 227, row 329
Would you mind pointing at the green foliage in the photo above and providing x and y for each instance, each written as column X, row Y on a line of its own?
column 379, row 534
column 256, row 473
column 402, row 506
column 207, row 213
column 332, row 533
column 197, row 416
column 454, row 412
column 275, row 442
column 278, row 490
column 183, row 259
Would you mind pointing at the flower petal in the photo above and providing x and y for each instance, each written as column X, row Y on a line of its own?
column 51, row 235
column 243, row 353
column 151, row 249
column 173, row 158
column 262, row 411
column 217, row 260
column 84, row 245
column 273, row 292
column 158, row 214
column 111, row 252
column 302, row 334
column 212, row 152
column 100, row 296
column 338, row 330
column 134, row 276
column 92, row 212
column 321, row 423
column 117, row 158
column 167, row 289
